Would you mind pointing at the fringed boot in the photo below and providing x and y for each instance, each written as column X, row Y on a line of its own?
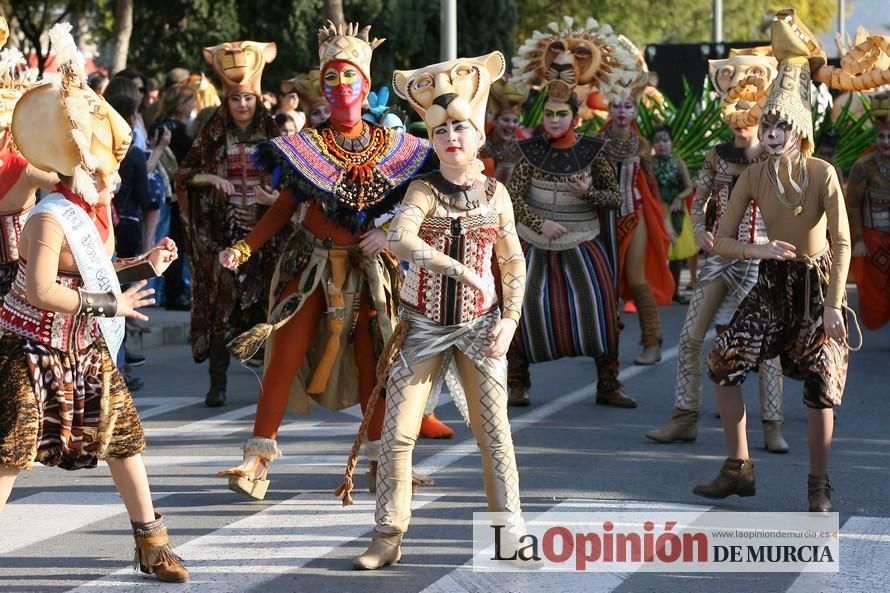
column 153, row 553
column 650, row 325
column 735, row 477
column 249, row 476
column 385, row 549
column 683, row 426
column 819, row 493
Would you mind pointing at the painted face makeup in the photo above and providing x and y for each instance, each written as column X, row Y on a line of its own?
column 662, row 143
column 622, row 113
column 558, row 118
column 777, row 136
column 456, row 143
column 342, row 84
column 242, row 107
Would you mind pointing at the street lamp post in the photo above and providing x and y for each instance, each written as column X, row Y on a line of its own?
column 717, row 27
column 448, row 27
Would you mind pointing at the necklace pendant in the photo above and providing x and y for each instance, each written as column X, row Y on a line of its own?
column 798, row 211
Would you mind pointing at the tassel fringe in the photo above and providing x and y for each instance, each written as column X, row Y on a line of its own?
column 262, row 447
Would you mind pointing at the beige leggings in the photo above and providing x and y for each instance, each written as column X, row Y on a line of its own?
column 706, row 301
column 407, row 392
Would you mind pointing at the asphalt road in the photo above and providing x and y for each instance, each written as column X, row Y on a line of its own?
column 67, row 531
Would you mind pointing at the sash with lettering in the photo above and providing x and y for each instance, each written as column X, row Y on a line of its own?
column 93, row 263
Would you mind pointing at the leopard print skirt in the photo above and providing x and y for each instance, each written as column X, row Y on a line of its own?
column 63, row 409
column 782, row 316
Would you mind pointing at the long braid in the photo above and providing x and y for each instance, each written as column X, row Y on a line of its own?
column 384, row 364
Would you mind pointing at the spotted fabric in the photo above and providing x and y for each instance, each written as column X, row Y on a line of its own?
column 65, row 409
column 782, row 316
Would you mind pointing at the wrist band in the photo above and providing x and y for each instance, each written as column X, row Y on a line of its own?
column 97, row 304
column 242, row 251
column 511, row 314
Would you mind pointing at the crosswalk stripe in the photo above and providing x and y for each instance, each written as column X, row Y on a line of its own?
column 464, row 580
column 243, row 555
column 47, row 514
column 864, row 560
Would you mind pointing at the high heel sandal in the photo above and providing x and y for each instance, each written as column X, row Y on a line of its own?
column 250, row 476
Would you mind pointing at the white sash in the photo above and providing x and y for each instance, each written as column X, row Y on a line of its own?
column 93, row 263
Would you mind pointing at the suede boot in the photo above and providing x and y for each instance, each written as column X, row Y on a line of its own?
column 819, row 493
column 650, row 325
column 385, row 549
column 735, row 477
column 153, row 553
column 683, row 426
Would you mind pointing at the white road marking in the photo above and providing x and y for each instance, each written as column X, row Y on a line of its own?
column 37, row 517
column 276, row 541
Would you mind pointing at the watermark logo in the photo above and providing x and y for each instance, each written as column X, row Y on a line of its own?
column 657, row 542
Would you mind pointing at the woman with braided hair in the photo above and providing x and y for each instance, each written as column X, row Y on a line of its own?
column 448, row 226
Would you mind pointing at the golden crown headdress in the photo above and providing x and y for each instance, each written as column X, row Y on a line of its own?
column 349, row 43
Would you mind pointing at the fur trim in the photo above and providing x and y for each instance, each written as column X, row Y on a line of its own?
column 262, row 447
column 246, row 345
column 82, row 184
column 66, row 50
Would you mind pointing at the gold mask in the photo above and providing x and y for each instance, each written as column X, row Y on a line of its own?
column 239, row 64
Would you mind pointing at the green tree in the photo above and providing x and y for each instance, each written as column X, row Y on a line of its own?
column 677, row 21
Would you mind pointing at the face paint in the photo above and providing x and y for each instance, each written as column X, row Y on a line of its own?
column 342, row 84
column 558, row 118
column 777, row 136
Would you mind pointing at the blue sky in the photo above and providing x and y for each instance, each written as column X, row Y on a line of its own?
column 874, row 15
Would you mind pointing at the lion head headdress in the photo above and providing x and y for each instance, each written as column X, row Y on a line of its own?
column 239, row 64
column 568, row 56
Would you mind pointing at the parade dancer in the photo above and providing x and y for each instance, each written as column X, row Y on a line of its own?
column 501, row 151
column 797, row 308
column 742, row 80
column 868, row 206
column 334, row 291
column 447, row 228
column 643, row 239
column 62, row 400
column 19, row 181
column 565, row 197
column 222, row 194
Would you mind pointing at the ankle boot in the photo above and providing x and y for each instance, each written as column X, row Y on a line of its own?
column 249, row 476
column 773, row 440
column 615, row 398
column 218, row 366
column 153, row 553
column 819, row 493
column 735, row 477
column 518, row 395
column 683, row 426
column 385, row 549
column 433, row 428
column 650, row 325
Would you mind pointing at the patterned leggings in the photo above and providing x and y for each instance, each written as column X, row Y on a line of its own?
column 707, row 300
column 406, row 395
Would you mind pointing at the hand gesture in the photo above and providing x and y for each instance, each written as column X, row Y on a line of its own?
column 580, row 184
column 373, row 242
column 228, row 259
column 501, row 336
column 135, row 297
column 833, row 324
column 704, row 240
column 163, row 254
column 265, row 195
column 772, row 250
column 677, row 205
column 161, row 138
column 553, row 230
column 223, row 185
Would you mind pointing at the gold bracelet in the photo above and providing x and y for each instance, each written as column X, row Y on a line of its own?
column 385, row 226
column 511, row 314
column 242, row 250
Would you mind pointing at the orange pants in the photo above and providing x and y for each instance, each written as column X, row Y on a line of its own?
column 291, row 344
